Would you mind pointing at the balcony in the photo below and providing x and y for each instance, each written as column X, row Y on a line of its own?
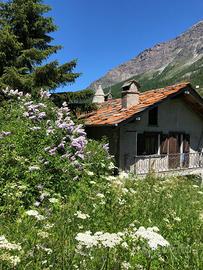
column 173, row 163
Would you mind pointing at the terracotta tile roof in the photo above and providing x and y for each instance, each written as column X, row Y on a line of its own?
column 111, row 112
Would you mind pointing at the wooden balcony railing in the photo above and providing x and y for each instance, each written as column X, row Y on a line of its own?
column 166, row 163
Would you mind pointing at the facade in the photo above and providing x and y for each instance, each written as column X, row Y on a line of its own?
column 159, row 130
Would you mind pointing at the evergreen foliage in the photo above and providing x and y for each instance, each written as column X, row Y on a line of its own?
column 78, row 102
column 25, row 46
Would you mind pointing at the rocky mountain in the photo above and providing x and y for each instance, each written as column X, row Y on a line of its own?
column 169, row 62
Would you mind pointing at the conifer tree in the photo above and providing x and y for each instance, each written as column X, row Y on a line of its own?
column 25, row 45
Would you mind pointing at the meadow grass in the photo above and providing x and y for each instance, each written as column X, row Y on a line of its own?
column 114, row 205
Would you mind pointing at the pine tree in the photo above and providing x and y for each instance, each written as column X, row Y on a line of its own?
column 25, row 45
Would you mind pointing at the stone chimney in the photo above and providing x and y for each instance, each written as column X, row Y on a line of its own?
column 99, row 95
column 130, row 94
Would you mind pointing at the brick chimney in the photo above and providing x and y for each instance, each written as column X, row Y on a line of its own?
column 130, row 94
column 99, row 95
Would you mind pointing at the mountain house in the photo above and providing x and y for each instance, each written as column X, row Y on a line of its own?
column 158, row 130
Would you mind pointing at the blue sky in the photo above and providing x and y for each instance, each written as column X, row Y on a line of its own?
column 103, row 34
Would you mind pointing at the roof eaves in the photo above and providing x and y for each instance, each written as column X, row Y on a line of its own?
column 155, row 104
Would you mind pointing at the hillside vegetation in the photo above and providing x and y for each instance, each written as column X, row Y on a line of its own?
column 168, row 76
column 61, row 207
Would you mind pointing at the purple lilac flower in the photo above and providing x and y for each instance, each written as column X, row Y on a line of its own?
column 106, row 147
column 44, row 94
column 79, row 143
column 41, row 115
column 52, row 151
column 62, row 145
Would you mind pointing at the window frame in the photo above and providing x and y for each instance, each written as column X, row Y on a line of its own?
column 153, row 117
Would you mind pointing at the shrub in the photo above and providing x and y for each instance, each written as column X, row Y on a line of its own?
column 42, row 149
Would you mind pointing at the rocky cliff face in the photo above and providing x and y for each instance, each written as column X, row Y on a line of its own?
column 175, row 55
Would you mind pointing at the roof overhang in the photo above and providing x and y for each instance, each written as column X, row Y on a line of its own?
column 187, row 93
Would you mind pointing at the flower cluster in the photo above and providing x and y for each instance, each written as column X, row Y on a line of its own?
column 98, row 239
column 44, row 94
column 13, row 260
column 4, row 244
column 153, row 238
column 9, row 247
column 34, row 112
column 110, row 240
column 74, row 136
column 12, row 93
column 81, row 215
column 73, row 141
column 35, row 213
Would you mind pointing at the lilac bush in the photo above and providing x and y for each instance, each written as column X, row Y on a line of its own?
column 44, row 146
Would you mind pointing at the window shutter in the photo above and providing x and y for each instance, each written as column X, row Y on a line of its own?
column 164, row 144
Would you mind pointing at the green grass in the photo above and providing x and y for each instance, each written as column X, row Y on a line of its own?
column 174, row 205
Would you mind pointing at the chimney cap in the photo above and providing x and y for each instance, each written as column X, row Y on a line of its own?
column 99, row 96
column 99, row 91
column 129, row 83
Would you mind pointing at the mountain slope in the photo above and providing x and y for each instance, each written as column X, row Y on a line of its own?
column 169, row 62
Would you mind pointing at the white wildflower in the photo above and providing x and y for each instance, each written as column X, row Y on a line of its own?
column 43, row 234
column 48, row 226
column 90, row 173
column 4, row 244
column 166, row 220
column 201, row 216
column 35, row 128
column 200, row 192
column 109, row 239
column 86, row 239
column 100, row 195
column 153, row 238
column 177, row 219
column 47, row 250
column 132, row 190
column 36, row 203
column 99, row 239
column 111, row 166
column 92, row 182
column 14, row 260
column 125, row 265
column 124, row 245
column 35, row 213
column 81, row 215
column 110, row 178
column 34, row 168
column 123, row 175
column 124, row 190
column 53, row 200
column 44, row 195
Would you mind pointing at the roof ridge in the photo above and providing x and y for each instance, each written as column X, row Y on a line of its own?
column 165, row 87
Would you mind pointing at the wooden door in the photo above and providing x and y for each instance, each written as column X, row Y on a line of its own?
column 174, row 151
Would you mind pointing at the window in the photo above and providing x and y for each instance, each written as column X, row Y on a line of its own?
column 147, row 144
column 153, row 117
